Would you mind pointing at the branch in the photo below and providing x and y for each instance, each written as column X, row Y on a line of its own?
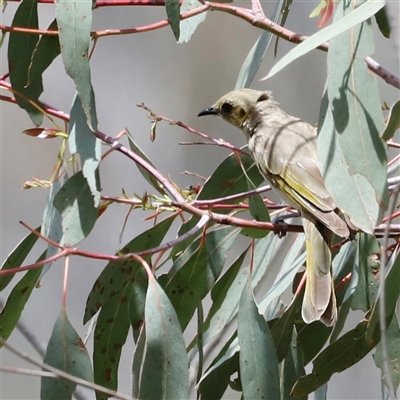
column 253, row 17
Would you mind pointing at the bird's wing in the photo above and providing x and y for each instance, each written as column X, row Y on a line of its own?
column 288, row 159
column 290, row 152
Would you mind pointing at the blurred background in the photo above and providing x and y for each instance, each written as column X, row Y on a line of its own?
column 176, row 81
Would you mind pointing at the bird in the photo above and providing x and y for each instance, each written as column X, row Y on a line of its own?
column 285, row 150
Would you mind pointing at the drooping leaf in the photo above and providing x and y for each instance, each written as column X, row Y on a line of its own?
column 229, row 179
column 259, row 212
column 173, row 13
column 282, row 330
column 164, row 372
column 180, row 247
column 284, row 9
column 258, row 362
column 17, row 257
column 146, row 175
column 293, row 261
column 253, row 60
column 119, row 312
column 351, row 153
column 188, row 26
column 66, row 352
column 116, row 275
column 360, row 14
column 393, row 351
column 52, row 219
column 368, row 273
column 383, row 23
column 215, row 380
column 392, row 293
column 196, row 277
column 224, row 296
column 221, row 314
column 393, row 122
column 341, row 319
column 46, row 51
column 21, row 47
column 188, row 286
column 74, row 20
column 17, row 299
column 75, row 202
column 82, row 141
column 120, row 291
column 291, row 368
column 312, row 338
column 338, row 356
column 218, row 242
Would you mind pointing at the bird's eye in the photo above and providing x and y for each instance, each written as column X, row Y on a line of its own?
column 226, row 108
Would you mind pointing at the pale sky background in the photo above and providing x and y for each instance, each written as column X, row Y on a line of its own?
column 176, row 81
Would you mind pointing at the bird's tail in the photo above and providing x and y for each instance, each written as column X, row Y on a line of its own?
column 319, row 301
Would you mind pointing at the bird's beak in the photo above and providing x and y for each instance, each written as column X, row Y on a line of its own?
column 208, row 111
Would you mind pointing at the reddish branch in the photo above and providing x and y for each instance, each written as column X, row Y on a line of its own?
column 254, row 16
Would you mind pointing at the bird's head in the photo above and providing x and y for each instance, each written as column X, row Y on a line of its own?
column 238, row 107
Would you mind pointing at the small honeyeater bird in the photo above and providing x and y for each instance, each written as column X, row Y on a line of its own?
column 284, row 149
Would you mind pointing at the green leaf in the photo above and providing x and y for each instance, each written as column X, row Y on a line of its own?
column 341, row 320
column 52, row 220
column 284, row 7
column 293, row 261
column 360, row 14
column 368, row 273
column 392, row 292
column 21, row 47
column 259, row 212
column 229, row 178
column 138, row 358
column 393, row 351
column 282, row 330
column 74, row 19
column 17, row 299
column 47, row 49
column 226, row 292
column 351, row 153
column 218, row 242
column 173, row 13
column 216, row 379
column 194, row 279
column 116, row 275
column 17, row 257
column 312, row 338
column 253, row 60
column 258, row 362
column 164, row 370
column 383, row 23
column 180, row 247
column 146, row 174
column 110, row 334
column 189, row 286
column 122, row 309
column 82, row 141
column 291, row 368
column 188, row 26
column 74, row 201
column 66, row 352
column 393, row 122
column 338, row 356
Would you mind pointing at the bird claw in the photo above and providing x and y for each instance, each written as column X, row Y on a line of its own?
column 284, row 227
